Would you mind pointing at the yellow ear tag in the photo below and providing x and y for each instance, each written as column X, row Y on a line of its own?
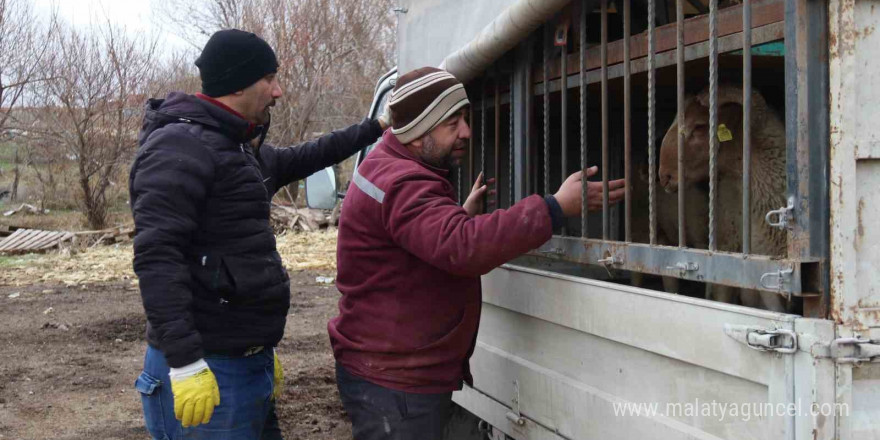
column 724, row 134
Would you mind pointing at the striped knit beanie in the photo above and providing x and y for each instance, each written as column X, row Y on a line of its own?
column 422, row 99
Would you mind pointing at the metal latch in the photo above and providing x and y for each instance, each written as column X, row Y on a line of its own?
column 783, row 215
column 515, row 416
column 763, row 339
column 855, row 350
column 609, row 262
column 778, row 281
column 684, row 267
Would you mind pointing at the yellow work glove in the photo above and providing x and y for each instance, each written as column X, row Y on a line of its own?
column 279, row 379
column 195, row 393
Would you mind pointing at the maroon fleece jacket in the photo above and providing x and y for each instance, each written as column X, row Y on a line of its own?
column 409, row 267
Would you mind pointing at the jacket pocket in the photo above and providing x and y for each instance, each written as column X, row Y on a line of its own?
column 154, row 409
column 251, row 275
column 454, row 334
column 212, row 275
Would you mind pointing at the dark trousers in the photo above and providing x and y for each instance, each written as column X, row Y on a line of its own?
column 377, row 412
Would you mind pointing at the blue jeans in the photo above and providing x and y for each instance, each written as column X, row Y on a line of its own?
column 246, row 410
column 378, row 413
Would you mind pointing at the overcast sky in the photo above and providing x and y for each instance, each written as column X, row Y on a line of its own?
column 135, row 16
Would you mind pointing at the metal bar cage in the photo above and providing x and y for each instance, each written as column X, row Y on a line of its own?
column 662, row 94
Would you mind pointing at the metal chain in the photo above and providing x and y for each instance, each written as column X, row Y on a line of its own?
column 713, row 118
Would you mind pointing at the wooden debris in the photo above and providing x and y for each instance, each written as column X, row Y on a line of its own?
column 289, row 218
column 118, row 234
column 33, row 240
column 24, row 206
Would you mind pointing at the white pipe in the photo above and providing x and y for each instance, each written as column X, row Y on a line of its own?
column 499, row 36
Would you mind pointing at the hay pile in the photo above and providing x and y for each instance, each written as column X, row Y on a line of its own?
column 313, row 250
column 300, row 251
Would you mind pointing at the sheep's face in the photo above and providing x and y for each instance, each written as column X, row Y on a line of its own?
column 695, row 130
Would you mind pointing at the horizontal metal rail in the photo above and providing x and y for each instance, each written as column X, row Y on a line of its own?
column 729, row 43
column 735, row 270
column 696, row 30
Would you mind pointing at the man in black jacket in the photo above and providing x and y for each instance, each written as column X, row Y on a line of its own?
column 213, row 286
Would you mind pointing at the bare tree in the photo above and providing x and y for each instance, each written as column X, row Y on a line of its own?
column 176, row 73
column 90, row 114
column 23, row 47
column 330, row 53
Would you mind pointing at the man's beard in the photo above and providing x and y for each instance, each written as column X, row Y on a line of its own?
column 266, row 115
column 433, row 156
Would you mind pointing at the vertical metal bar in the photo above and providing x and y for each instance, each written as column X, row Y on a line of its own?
column 496, row 169
column 563, row 98
column 546, row 110
column 521, row 130
column 471, row 162
column 627, row 124
column 510, row 154
column 525, row 115
column 679, row 55
column 747, row 127
column 604, row 54
column 652, row 168
column 583, row 77
column 483, row 131
column 713, row 118
column 807, row 137
column 458, row 185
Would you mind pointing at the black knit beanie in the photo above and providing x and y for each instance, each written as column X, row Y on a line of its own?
column 232, row 60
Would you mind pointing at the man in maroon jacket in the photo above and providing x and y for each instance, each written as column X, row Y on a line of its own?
column 410, row 260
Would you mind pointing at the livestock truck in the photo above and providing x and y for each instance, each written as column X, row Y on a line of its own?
column 614, row 329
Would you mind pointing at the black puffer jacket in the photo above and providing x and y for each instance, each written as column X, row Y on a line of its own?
column 210, row 276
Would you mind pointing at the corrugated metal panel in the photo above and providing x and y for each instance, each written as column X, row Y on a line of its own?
column 855, row 166
column 578, row 348
column 31, row 240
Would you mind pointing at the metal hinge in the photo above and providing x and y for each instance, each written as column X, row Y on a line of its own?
column 783, row 215
column 855, row 350
column 763, row 339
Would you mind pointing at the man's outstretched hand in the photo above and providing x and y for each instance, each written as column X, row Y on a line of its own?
column 569, row 194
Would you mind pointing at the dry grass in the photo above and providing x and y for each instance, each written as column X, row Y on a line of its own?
column 309, row 251
column 302, row 251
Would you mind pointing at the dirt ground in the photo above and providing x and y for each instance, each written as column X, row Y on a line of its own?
column 69, row 356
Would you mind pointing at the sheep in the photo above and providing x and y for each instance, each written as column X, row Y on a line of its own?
column 768, row 178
